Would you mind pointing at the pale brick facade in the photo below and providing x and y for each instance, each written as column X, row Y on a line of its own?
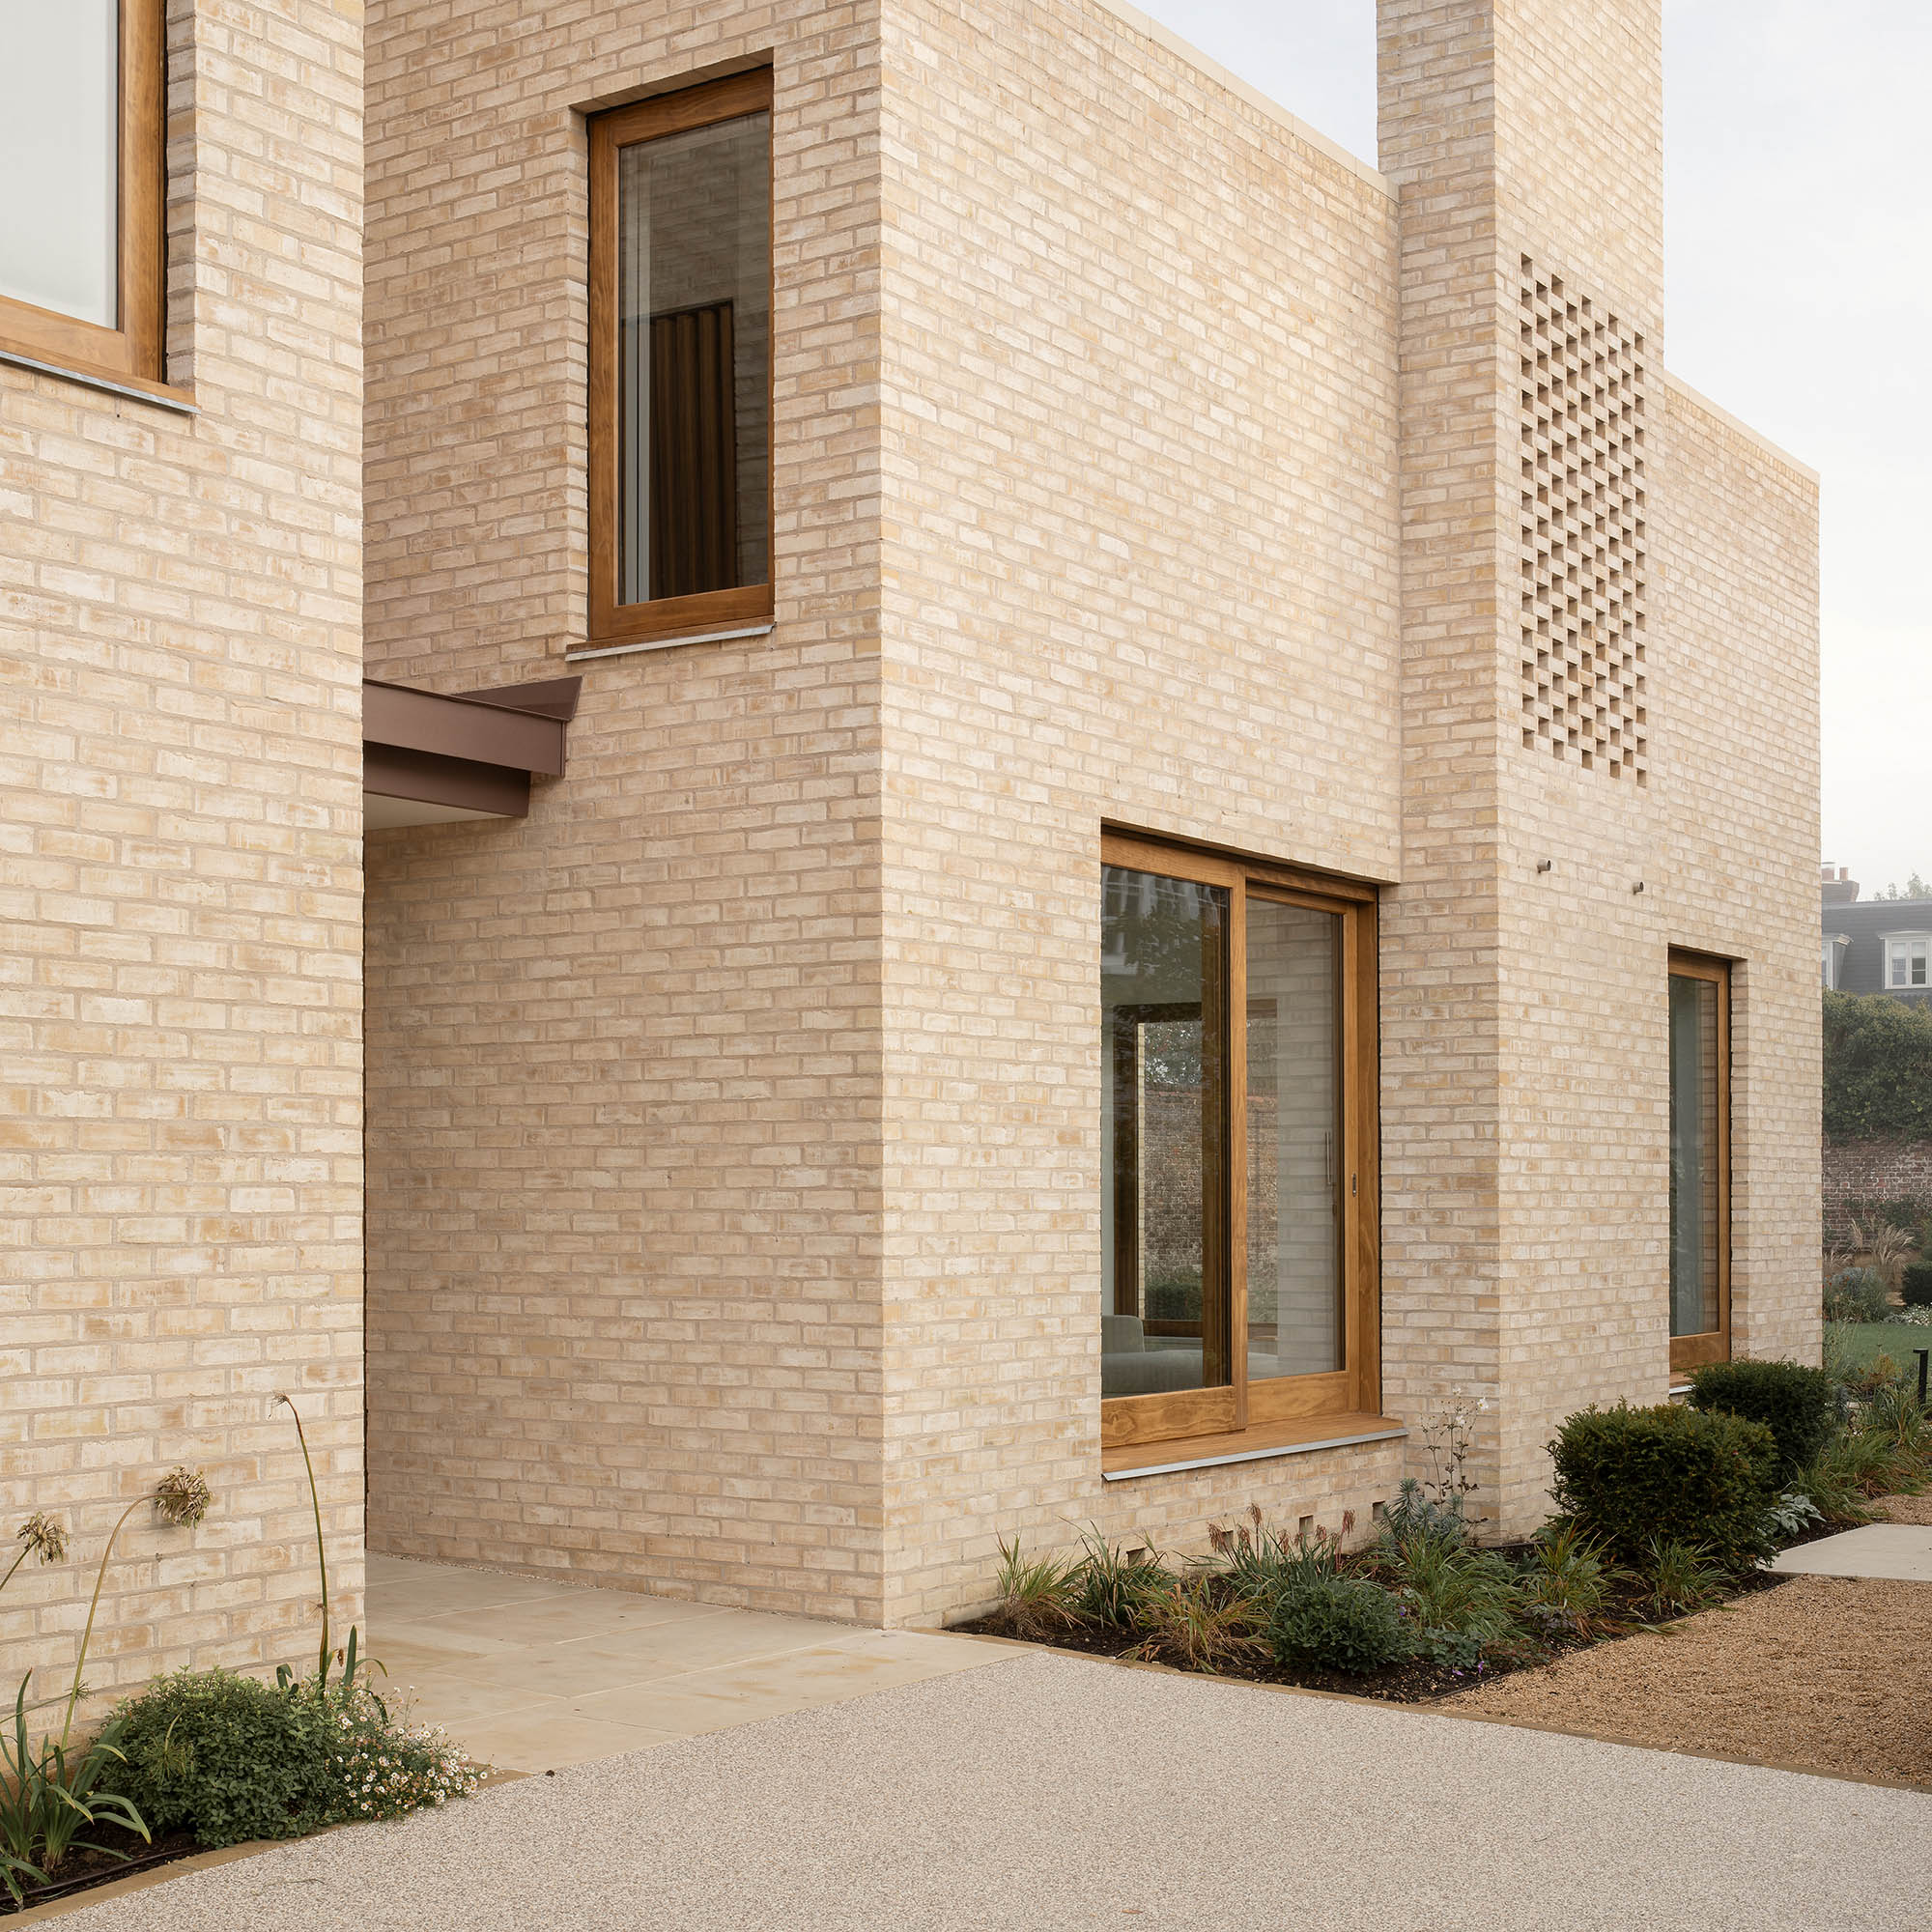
column 734, row 1121
column 181, row 892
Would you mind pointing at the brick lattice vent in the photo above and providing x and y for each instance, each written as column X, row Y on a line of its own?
column 1584, row 673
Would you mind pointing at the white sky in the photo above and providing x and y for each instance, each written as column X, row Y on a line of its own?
column 1797, row 146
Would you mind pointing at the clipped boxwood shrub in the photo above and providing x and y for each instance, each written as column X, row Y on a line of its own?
column 1918, row 1285
column 226, row 1758
column 1796, row 1403
column 1338, row 1623
column 1637, row 1476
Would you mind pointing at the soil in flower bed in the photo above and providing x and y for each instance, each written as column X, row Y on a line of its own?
column 85, row 1869
column 1825, row 1674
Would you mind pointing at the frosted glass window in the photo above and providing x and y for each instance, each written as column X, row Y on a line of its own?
column 59, row 148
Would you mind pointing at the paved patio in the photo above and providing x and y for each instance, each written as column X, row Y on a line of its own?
column 1054, row 1792
column 532, row 1676
column 1901, row 1551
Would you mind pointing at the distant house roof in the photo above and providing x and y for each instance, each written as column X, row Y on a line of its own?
column 1864, row 928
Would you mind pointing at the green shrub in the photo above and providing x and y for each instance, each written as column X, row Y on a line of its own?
column 1338, row 1623
column 1796, row 1403
column 1917, row 1286
column 1878, row 1068
column 228, row 1758
column 1858, row 1295
column 224, row 1758
column 1634, row 1476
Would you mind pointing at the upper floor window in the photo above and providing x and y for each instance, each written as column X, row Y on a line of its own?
column 1906, row 960
column 82, row 117
column 680, row 362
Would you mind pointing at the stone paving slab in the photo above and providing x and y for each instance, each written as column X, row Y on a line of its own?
column 1057, row 1794
column 534, row 1676
column 1897, row 1551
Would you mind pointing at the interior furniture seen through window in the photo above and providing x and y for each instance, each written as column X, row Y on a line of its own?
column 1239, row 1215
column 1905, row 960
column 1701, row 1161
column 82, row 223
column 681, row 362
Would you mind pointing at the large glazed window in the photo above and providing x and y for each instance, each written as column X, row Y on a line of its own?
column 1700, row 1159
column 81, row 221
column 1237, row 1006
column 680, row 392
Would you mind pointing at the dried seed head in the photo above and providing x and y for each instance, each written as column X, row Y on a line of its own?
column 183, row 1496
column 46, row 1535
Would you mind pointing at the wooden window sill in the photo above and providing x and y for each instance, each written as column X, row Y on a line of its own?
column 114, row 382
column 1299, row 1437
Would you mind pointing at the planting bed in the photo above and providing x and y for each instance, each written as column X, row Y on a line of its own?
column 1414, row 1681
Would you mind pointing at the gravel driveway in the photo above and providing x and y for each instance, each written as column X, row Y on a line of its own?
column 1046, row 1792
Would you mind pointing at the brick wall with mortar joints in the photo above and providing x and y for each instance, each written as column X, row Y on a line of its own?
column 1736, row 798
column 1140, row 567
column 1442, row 1305
column 179, row 882
column 624, row 1056
column 1544, row 143
column 1859, row 1172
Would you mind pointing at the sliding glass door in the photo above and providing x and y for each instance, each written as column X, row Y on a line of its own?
column 1238, row 1008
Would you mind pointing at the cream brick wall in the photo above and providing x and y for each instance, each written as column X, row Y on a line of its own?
column 1140, row 566
column 735, row 1120
column 1533, row 132
column 179, row 890
column 624, row 1055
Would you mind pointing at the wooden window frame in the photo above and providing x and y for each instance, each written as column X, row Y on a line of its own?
column 132, row 351
column 1289, row 1408
column 1694, row 1352
column 610, row 621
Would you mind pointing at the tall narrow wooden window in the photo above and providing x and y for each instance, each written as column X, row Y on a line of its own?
column 82, row 223
column 1701, row 1161
column 680, row 362
column 1239, row 1004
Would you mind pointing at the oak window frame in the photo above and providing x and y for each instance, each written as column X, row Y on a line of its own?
column 613, row 622
column 1280, row 1409
column 133, row 349
column 1694, row 1352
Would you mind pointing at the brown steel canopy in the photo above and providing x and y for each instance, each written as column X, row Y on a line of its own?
column 430, row 758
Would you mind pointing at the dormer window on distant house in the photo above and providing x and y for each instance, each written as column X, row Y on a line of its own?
column 1906, row 958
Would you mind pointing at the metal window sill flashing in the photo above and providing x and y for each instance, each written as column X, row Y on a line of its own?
column 1260, row 1454
column 163, row 397
column 763, row 630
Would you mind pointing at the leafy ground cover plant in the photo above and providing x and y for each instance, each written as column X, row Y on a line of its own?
column 1341, row 1623
column 1794, row 1403
column 227, row 1758
column 1565, row 1578
column 1632, row 1475
column 1680, row 1577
